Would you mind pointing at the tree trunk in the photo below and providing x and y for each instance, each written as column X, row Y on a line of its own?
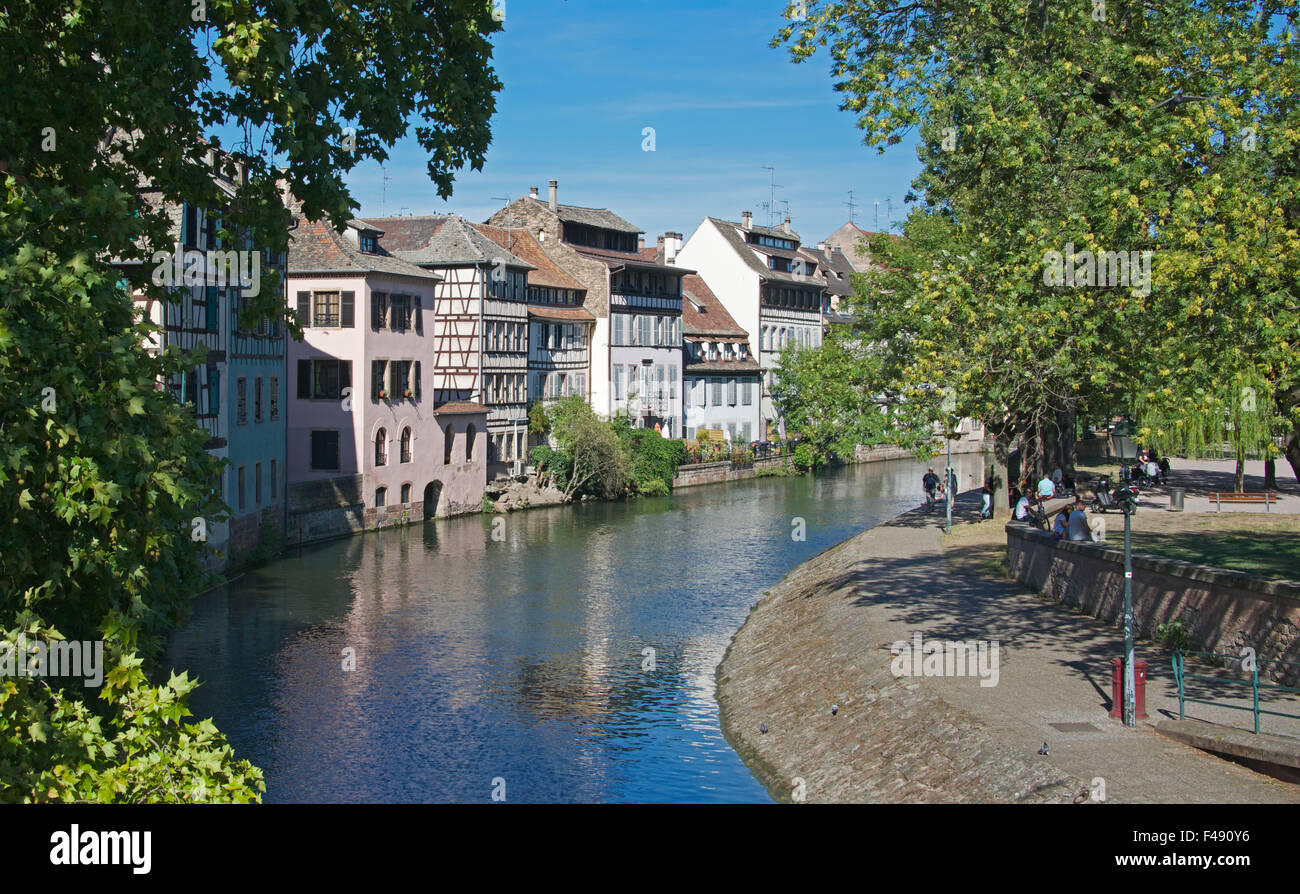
column 996, row 473
column 1240, row 483
column 1069, row 436
column 1270, row 474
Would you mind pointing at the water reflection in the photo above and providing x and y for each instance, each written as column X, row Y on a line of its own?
column 519, row 659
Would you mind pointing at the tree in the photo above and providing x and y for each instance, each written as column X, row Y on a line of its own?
column 103, row 475
column 595, row 459
column 1048, row 132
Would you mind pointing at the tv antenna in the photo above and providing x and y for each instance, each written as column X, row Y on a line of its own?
column 877, row 224
column 383, row 202
column 773, row 186
column 852, row 207
column 510, row 220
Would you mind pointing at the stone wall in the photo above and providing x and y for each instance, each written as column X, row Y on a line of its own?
column 719, row 472
column 1223, row 611
column 319, row 510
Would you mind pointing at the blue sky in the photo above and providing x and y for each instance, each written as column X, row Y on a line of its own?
column 584, row 77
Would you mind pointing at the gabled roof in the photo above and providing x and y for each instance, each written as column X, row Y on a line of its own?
column 637, row 260
column 591, row 217
column 441, row 241
column 836, row 269
column 703, row 313
column 756, row 228
column 750, row 253
column 316, row 248
column 524, row 245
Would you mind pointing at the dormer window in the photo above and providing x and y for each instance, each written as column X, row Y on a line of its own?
column 369, row 243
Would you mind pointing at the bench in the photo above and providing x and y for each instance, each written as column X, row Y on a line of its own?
column 1267, row 498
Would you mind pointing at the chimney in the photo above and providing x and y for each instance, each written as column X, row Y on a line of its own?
column 821, row 246
column 672, row 243
column 532, row 192
column 785, row 224
column 555, row 195
column 640, row 242
column 661, row 244
column 747, row 219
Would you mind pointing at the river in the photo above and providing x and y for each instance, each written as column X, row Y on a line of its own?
column 517, row 665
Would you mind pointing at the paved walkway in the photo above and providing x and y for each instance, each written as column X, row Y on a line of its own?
column 823, row 636
column 1200, row 478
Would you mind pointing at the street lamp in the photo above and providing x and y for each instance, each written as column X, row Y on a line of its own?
column 1128, row 504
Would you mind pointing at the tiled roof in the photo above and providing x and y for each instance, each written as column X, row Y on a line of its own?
column 592, row 217
column 315, row 247
column 617, row 259
column 721, row 366
column 703, row 313
column 460, row 408
column 748, row 253
column 441, row 242
column 766, row 231
column 524, row 245
column 832, row 263
column 562, row 314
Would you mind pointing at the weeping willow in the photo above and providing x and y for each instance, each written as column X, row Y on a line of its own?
column 1238, row 413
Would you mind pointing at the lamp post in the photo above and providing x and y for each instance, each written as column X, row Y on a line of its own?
column 1130, row 706
column 948, row 485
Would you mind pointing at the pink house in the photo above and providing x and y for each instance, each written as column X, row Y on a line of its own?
column 368, row 446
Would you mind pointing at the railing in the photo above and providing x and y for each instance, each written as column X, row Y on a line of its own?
column 1182, row 676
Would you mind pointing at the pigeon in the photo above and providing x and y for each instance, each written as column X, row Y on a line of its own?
column 1043, row 750
column 835, row 709
column 762, row 727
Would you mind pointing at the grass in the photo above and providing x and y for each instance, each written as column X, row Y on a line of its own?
column 977, row 548
column 1266, row 545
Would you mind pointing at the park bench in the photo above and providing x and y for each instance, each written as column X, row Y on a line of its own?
column 1268, row 498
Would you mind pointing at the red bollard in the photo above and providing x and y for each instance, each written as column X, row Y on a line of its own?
column 1139, row 686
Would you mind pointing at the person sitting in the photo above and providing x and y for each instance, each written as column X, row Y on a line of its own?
column 1046, row 487
column 1062, row 524
column 1077, row 528
column 1153, row 470
column 1024, row 509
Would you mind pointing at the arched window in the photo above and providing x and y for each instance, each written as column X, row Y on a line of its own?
column 406, row 493
column 469, row 443
column 381, row 496
column 406, row 446
column 381, row 447
column 448, row 439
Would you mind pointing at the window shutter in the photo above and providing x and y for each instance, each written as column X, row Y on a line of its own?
column 376, row 372
column 418, row 301
column 304, row 308
column 212, row 309
column 345, row 375
column 304, row 379
column 347, row 309
column 417, row 380
column 214, row 391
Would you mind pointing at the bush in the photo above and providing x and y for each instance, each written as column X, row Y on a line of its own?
column 808, row 458
column 1174, row 634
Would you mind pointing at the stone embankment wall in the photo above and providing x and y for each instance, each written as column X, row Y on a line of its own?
column 805, row 646
column 1223, row 611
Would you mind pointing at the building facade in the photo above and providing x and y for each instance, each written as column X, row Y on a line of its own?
column 480, row 320
column 769, row 287
column 635, row 301
column 722, row 379
column 369, row 443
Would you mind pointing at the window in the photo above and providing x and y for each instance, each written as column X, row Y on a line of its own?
column 378, row 310
column 275, row 398
column 240, row 489
column 747, row 432
column 659, row 381
column 747, row 393
column 406, row 493
column 618, row 381
column 731, row 392
column 325, row 451
column 241, row 401
column 469, row 443
column 257, row 484
column 214, row 391
column 672, row 381
column 401, row 312
column 381, row 447
column 323, row 379
column 378, row 379
column 448, row 440
column 716, row 399
column 406, row 446
column 257, row 399
column 368, row 242
column 381, row 497
column 275, row 487
column 325, row 309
